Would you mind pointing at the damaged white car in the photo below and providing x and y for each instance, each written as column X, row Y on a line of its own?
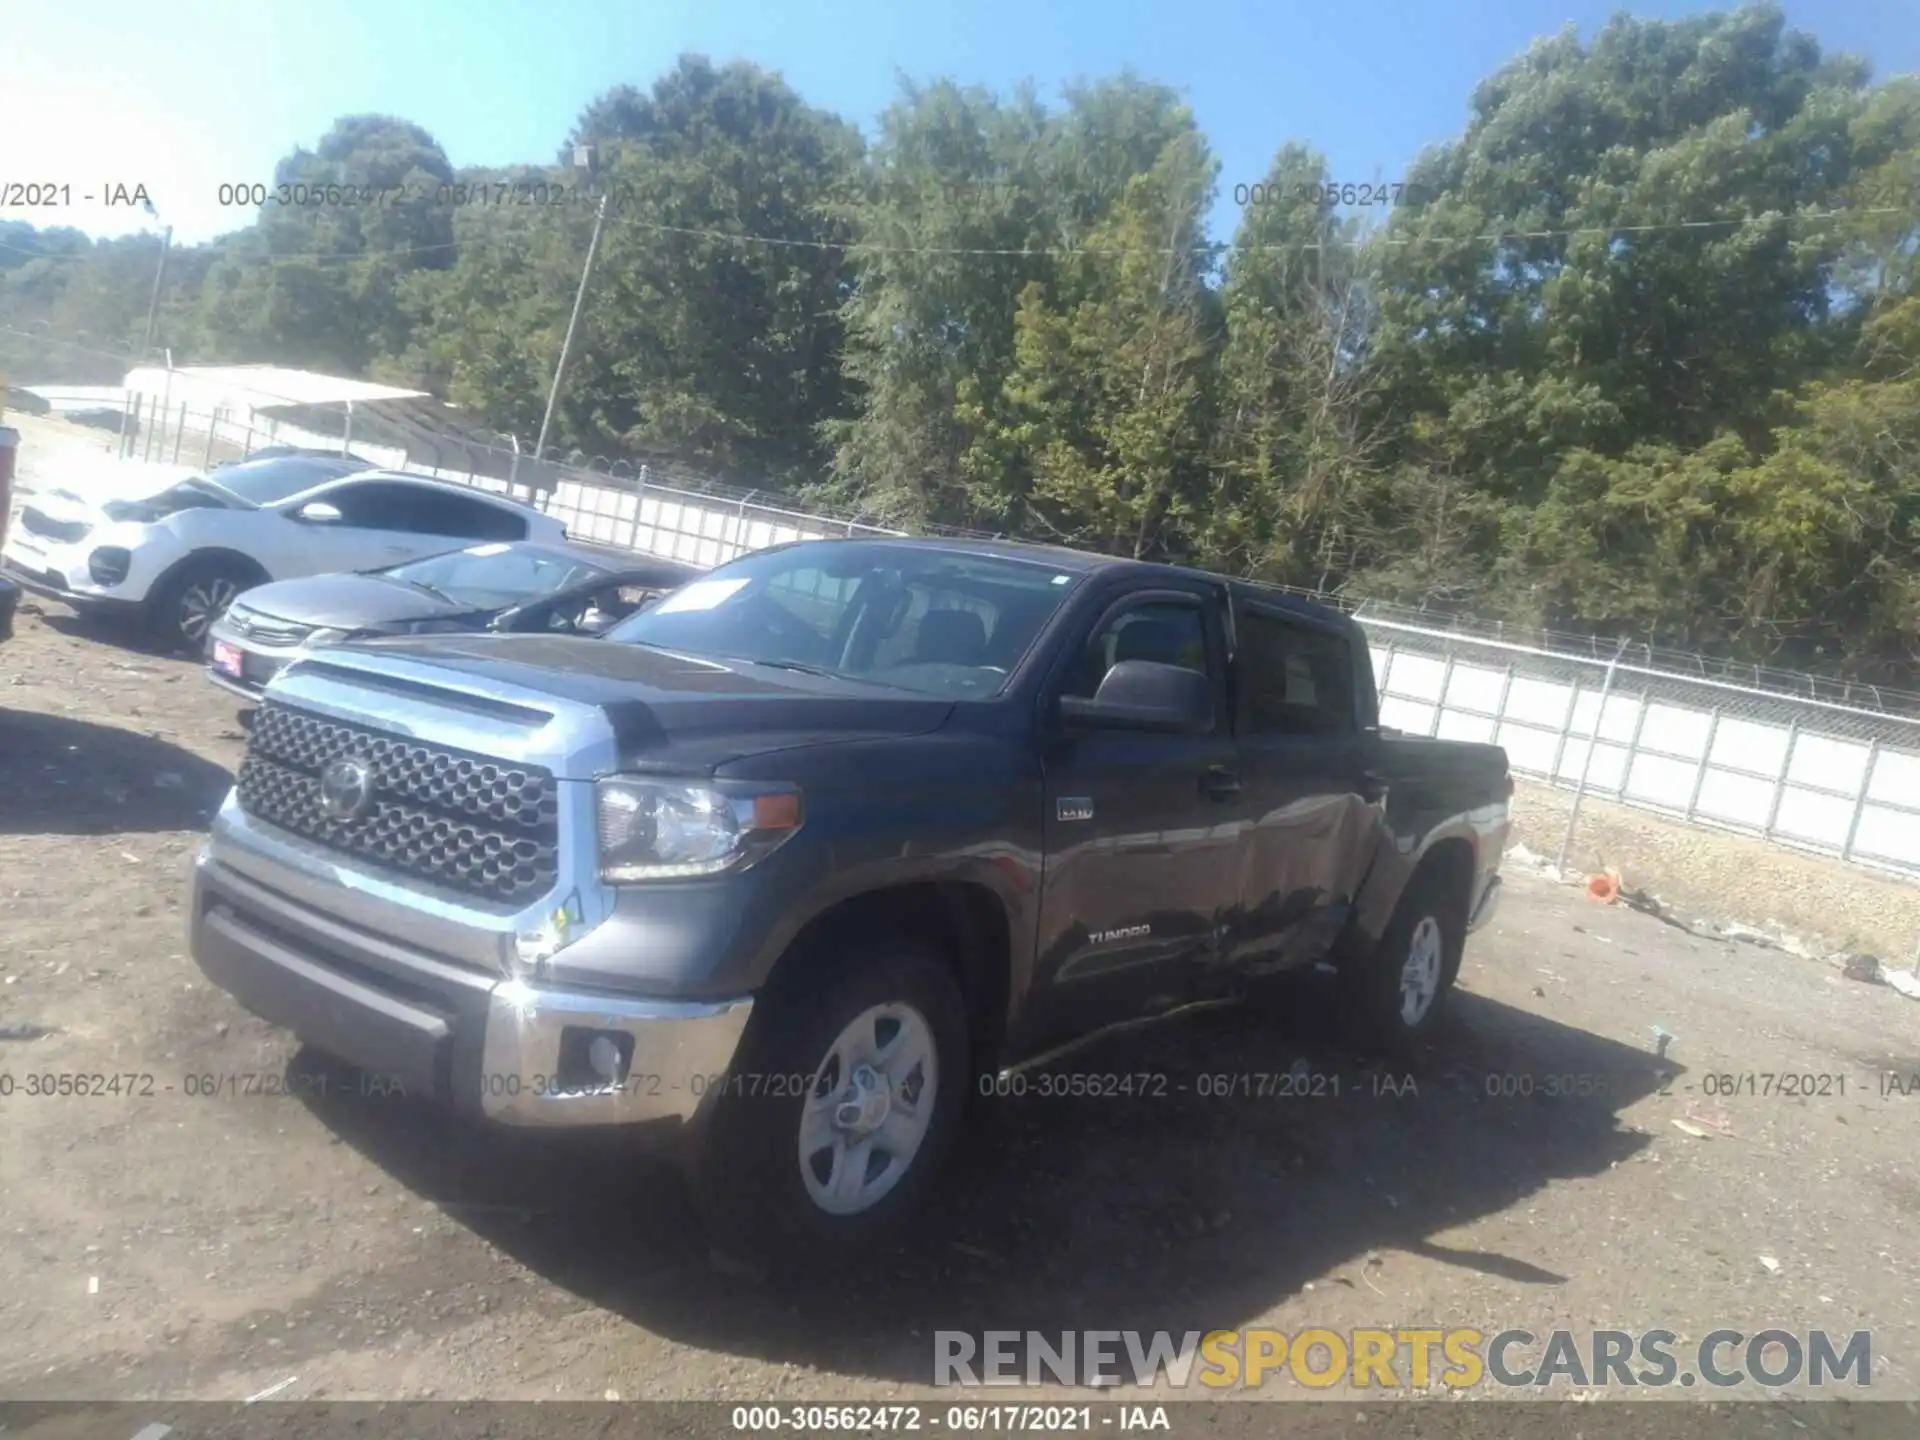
column 172, row 547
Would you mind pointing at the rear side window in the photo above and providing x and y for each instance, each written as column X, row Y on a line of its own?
column 1294, row 679
column 461, row 517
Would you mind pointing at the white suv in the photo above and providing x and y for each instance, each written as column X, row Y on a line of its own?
column 175, row 549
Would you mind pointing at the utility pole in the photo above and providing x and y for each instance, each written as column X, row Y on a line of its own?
column 146, row 342
column 573, row 324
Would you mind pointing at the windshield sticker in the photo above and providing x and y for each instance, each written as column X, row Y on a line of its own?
column 493, row 549
column 1061, row 579
column 700, row 595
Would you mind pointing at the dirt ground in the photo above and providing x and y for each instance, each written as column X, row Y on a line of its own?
column 167, row 1246
column 1831, row 908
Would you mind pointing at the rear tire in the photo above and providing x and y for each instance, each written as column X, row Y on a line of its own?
column 187, row 602
column 1393, row 997
column 840, row 1110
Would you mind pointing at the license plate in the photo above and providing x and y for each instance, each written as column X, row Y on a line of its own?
column 228, row 660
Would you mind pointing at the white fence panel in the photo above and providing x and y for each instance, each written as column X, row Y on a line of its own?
column 1808, row 773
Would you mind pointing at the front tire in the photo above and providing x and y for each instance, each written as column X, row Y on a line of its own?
column 188, row 602
column 1393, row 997
column 841, row 1109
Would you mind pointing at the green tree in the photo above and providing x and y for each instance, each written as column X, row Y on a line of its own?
column 701, row 343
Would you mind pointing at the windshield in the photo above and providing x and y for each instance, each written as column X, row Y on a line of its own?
column 913, row 618
column 492, row 577
column 266, row 481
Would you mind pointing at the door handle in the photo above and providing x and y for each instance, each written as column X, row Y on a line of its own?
column 1220, row 782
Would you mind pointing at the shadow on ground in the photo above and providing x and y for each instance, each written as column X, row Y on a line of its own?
column 61, row 776
column 125, row 632
column 1172, row 1211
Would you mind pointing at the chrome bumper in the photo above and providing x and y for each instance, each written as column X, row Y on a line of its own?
column 1489, row 903
column 429, row 1026
column 674, row 1052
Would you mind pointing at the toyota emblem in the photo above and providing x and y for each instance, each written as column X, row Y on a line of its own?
column 346, row 785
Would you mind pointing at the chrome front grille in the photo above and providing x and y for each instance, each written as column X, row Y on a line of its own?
column 459, row 821
column 267, row 629
column 67, row 532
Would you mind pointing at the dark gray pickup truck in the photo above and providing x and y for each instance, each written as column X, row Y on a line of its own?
column 828, row 840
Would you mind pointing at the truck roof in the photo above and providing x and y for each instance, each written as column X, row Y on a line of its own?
column 1084, row 562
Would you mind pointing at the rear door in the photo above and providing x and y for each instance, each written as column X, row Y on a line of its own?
column 1142, row 834
column 446, row 514
column 1310, row 804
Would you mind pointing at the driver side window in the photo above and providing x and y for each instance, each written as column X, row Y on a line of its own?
column 1153, row 630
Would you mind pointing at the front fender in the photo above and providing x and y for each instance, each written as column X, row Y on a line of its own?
column 880, row 816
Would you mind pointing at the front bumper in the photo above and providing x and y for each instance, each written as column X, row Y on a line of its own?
column 258, row 665
column 502, row 1048
column 47, row 569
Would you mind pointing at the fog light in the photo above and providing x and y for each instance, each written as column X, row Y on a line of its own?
column 592, row 1060
column 604, row 1056
column 109, row 564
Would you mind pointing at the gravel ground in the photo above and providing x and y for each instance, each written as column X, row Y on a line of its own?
column 1724, row 876
column 158, row 1245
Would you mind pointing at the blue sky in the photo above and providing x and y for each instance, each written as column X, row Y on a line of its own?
column 183, row 96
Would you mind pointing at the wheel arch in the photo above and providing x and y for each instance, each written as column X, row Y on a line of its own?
column 210, row 554
column 963, row 921
column 1451, row 865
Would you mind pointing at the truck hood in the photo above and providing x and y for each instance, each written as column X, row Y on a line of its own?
column 656, row 708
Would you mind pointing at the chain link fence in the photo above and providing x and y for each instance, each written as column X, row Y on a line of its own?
column 1817, row 774
column 1820, row 765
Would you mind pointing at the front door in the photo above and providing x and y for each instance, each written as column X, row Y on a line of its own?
column 1142, row 832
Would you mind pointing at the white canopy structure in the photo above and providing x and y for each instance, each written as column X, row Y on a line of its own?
column 271, row 404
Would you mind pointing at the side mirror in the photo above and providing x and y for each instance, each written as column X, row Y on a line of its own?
column 318, row 512
column 1145, row 695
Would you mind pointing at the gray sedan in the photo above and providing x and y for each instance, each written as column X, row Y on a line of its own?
column 525, row 586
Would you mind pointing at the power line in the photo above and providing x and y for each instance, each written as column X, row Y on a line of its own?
column 1358, row 242
column 867, row 247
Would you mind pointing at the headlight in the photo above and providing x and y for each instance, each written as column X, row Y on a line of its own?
column 325, row 636
column 673, row 829
column 138, row 512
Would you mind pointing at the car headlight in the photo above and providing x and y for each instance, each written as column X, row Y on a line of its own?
column 324, row 636
column 676, row 829
column 136, row 512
